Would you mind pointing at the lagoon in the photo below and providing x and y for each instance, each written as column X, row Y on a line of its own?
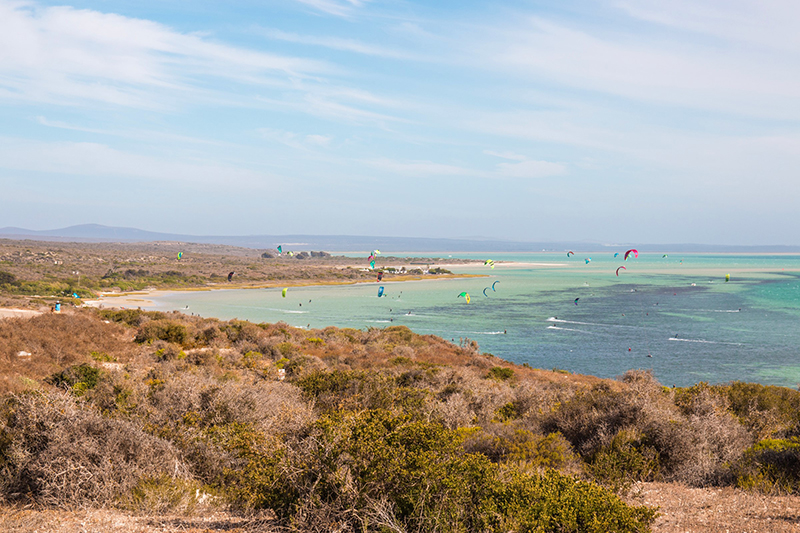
column 675, row 315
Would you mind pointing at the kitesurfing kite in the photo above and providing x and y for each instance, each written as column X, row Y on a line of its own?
column 588, row 260
column 280, row 249
column 570, row 253
column 727, row 278
column 484, row 292
column 664, row 256
column 380, row 276
column 230, row 275
column 493, row 284
column 376, row 252
column 576, row 301
column 620, row 268
column 380, row 291
column 283, row 292
column 465, row 295
column 616, row 254
column 372, row 265
column 631, row 251
column 488, row 263
column 180, row 255
column 371, row 257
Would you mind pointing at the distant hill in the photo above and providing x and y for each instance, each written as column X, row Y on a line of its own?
column 99, row 233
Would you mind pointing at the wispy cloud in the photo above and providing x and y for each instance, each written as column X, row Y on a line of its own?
column 95, row 159
column 525, row 168
column 637, row 66
column 418, row 168
column 338, row 43
column 67, row 55
column 506, row 155
column 770, row 24
column 147, row 135
column 295, row 140
column 531, row 169
column 333, row 7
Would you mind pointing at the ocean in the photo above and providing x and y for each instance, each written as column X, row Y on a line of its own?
column 676, row 315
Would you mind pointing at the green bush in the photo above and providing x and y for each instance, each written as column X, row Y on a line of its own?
column 319, row 382
column 555, row 502
column 162, row 329
column 78, row 378
column 374, row 468
column 550, row 451
column 254, row 479
column 772, row 465
column 131, row 317
column 628, row 458
column 7, row 278
column 770, row 409
column 417, row 469
column 508, row 412
column 501, row 373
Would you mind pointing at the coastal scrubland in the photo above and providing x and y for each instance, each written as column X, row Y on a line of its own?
column 35, row 272
column 197, row 424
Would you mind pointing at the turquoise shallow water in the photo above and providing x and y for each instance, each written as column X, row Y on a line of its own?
column 747, row 329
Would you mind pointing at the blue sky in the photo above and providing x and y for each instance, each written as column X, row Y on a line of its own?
column 609, row 121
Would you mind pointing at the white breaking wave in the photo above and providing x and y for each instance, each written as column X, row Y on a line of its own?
column 560, row 321
column 705, row 341
column 571, row 329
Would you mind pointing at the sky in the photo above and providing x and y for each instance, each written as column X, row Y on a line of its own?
column 605, row 120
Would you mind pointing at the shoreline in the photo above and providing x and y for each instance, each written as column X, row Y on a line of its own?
column 129, row 298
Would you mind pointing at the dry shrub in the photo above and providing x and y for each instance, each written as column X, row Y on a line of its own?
column 404, row 351
column 56, row 341
column 240, row 331
column 204, row 401
column 487, row 396
column 453, row 412
column 60, row 454
column 694, row 444
column 172, row 331
column 535, row 401
column 166, row 494
column 699, row 448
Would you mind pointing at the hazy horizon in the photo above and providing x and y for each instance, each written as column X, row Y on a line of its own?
column 94, row 233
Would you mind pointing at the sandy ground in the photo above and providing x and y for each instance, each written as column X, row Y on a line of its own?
column 18, row 313
column 683, row 510
column 718, row 510
column 126, row 300
column 108, row 520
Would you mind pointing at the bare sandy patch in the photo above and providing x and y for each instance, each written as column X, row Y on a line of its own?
column 18, row 313
column 718, row 510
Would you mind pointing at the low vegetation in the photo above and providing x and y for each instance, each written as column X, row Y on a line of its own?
column 44, row 272
column 376, row 430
